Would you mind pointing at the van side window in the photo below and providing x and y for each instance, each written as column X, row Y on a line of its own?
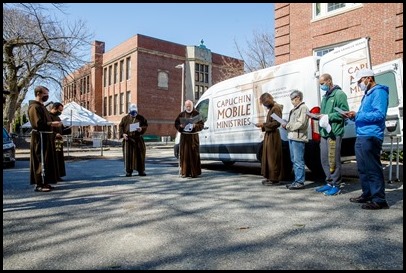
column 203, row 108
column 389, row 79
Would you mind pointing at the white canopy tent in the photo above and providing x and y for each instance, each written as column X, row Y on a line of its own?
column 75, row 115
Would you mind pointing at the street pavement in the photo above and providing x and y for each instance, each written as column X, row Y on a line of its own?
column 98, row 219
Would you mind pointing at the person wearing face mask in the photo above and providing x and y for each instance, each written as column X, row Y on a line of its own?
column 43, row 170
column 271, row 160
column 189, row 123
column 331, row 132
column 370, row 127
column 131, row 128
column 55, row 112
column 297, row 128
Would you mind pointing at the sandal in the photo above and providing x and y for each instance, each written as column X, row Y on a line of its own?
column 42, row 189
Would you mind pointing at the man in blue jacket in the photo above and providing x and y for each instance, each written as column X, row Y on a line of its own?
column 370, row 126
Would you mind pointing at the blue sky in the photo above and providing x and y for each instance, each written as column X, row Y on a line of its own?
column 187, row 24
column 219, row 25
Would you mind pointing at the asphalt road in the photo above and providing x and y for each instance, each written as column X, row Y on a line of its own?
column 98, row 219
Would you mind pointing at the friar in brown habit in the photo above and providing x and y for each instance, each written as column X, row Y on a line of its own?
column 43, row 170
column 55, row 112
column 271, row 160
column 189, row 123
column 131, row 128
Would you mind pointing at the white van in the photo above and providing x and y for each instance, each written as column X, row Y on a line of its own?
column 231, row 108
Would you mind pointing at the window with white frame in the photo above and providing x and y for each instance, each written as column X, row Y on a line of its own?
column 328, row 9
column 324, row 50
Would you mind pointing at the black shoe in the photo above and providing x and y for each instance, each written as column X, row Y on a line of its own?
column 59, row 179
column 375, row 205
column 360, row 199
column 142, row 174
column 128, row 174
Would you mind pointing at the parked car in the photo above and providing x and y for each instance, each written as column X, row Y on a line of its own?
column 9, row 148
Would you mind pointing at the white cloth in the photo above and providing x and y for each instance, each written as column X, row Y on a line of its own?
column 323, row 122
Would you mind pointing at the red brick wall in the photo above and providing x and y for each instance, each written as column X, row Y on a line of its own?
column 296, row 35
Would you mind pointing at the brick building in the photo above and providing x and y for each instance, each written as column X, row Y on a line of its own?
column 146, row 71
column 305, row 29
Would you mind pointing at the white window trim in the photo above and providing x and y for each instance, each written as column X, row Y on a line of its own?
column 325, row 14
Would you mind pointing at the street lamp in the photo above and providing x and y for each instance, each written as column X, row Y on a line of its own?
column 183, row 84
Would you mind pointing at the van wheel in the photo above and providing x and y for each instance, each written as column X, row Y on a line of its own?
column 312, row 160
column 228, row 163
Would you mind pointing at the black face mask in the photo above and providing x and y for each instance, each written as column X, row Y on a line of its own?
column 44, row 98
column 58, row 113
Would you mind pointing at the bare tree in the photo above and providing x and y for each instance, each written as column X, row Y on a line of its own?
column 38, row 49
column 260, row 52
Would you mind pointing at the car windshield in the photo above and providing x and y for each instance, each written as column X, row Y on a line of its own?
column 6, row 136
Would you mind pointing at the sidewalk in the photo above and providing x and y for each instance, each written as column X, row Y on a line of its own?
column 86, row 152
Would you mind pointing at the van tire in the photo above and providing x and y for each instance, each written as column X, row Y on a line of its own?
column 228, row 163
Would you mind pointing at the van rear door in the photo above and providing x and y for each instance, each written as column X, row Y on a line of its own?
column 391, row 75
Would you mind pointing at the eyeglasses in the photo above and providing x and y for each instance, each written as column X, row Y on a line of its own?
column 294, row 98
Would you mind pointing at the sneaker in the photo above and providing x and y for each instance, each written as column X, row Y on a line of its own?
column 333, row 191
column 323, row 188
column 295, row 186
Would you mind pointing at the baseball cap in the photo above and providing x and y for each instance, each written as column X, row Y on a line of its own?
column 133, row 107
column 363, row 73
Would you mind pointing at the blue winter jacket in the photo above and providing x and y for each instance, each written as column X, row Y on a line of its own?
column 370, row 118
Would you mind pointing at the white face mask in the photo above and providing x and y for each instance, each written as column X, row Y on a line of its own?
column 363, row 86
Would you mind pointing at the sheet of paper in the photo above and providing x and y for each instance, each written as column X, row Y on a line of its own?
column 278, row 119
column 134, row 126
column 340, row 111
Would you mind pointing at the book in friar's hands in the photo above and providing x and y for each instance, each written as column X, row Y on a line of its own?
column 191, row 120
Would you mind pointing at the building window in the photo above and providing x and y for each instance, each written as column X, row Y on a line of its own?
column 121, row 70
column 199, row 90
column 109, row 75
column 201, row 79
column 105, row 77
column 324, row 50
column 163, row 79
column 128, row 68
column 115, row 72
column 121, row 103
column 105, row 106
column 115, row 104
column 128, row 93
column 110, row 105
column 329, row 9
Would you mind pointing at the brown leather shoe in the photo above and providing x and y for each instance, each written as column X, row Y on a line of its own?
column 375, row 205
column 360, row 199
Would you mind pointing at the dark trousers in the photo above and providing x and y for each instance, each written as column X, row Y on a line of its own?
column 368, row 154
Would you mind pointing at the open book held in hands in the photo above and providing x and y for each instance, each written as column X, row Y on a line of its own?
column 192, row 120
